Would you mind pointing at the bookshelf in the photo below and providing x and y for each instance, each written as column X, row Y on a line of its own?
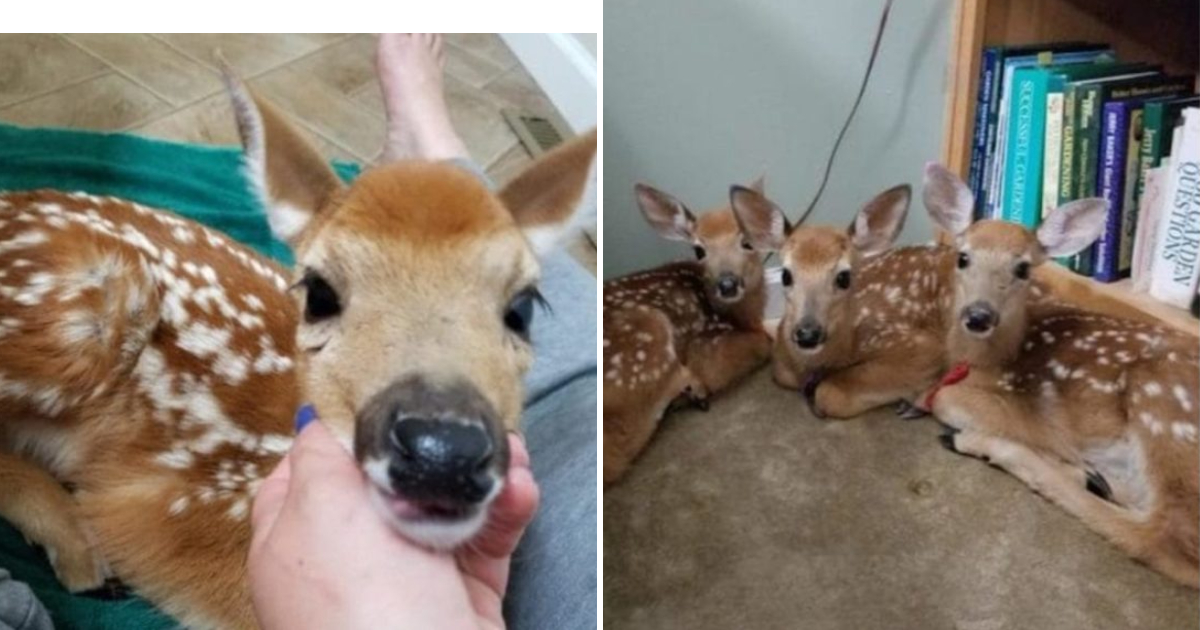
column 1162, row 31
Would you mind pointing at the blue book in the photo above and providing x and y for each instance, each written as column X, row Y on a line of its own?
column 987, row 84
column 1110, row 180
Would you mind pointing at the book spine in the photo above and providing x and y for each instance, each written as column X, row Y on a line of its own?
column 1066, row 163
column 1177, row 253
column 1087, row 135
column 1111, row 167
column 1129, row 182
column 1147, row 229
column 1022, row 169
column 979, row 139
column 1052, row 152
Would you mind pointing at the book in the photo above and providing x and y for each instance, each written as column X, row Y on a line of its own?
column 1147, row 227
column 1110, row 181
column 987, row 81
column 1044, row 54
column 1130, row 200
column 1158, row 121
column 1176, row 265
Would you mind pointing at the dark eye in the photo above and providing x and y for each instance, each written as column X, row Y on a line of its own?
column 787, row 278
column 320, row 300
column 1021, row 271
column 700, row 253
column 747, row 246
column 842, row 279
column 519, row 314
column 964, row 260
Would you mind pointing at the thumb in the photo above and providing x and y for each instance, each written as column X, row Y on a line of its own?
column 318, row 455
column 269, row 499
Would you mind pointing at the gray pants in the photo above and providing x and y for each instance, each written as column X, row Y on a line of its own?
column 19, row 609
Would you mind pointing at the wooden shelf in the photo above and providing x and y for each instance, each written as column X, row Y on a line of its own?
column 1159, row 31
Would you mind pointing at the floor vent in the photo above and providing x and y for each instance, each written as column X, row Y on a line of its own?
column 537, row 133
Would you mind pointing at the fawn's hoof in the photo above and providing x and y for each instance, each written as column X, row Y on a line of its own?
column 810, row 393
column 909, row 411
column 946, row 439
column 1098, row 485
column 112, row 589
column 697, row 400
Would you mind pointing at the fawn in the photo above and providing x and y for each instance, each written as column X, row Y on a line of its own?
column 682, row 331
column 155, row 365
column 861, row 326
column 1097, row 413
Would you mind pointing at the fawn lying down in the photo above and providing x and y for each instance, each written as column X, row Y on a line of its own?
column 1066, row 399
column 155, row 366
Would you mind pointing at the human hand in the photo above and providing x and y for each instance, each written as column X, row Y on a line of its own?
column 322, row 557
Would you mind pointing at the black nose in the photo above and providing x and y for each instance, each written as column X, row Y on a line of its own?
column 441, row 460
column 979, row 318
column 727, row 285
column 809, row 335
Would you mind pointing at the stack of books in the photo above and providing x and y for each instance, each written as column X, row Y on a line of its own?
column 1064, row 121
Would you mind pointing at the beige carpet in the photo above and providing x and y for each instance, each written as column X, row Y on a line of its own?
column 757, row 515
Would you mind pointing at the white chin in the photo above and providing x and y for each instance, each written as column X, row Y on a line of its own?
column 439, row 533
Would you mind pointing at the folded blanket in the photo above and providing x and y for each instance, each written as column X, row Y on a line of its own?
column 203, row 183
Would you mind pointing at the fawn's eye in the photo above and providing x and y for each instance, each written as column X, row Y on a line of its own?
column 320, row 300
column 1021, row 271
column 842, row 279
column 747, row 246
column 700, row 253
column 787, row 278
column 519, row 314
column 964, row 260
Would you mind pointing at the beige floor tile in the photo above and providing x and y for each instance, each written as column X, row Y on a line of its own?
column 470, row 69
column 324, row 109
column 486, row 46
column 248, row 53
column 171, row 75
column 109, row 101
column 35, row 64
column 210, row 121
column 347, row 66
column 519, row 90
column 508, row 165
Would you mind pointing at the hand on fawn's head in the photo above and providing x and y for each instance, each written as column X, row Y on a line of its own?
column 819, row 262
column 996, row 258
column 731, row 265
column 416, row 286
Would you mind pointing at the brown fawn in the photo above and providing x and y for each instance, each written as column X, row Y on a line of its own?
column 1096, row 413
column 680, row 332
column 861, row 325
column 155, row 366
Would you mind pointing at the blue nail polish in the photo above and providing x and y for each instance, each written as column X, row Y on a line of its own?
column 305, row 415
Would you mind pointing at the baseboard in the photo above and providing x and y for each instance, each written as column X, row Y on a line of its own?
column 564, row 69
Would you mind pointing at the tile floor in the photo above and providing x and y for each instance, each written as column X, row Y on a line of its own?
column 167, row 86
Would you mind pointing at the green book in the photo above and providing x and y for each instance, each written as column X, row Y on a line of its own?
column 1158, row 121
column 1129, row 203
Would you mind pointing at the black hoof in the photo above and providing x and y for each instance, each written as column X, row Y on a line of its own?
column 1097, row 485
column 113, row 589
column 810, row 393
column 909, row 411
column 700, row 403
column 946, row 439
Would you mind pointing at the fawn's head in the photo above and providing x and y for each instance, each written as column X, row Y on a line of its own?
column 416, row 286
column 819, row 263
column 732, row 267
column 995, row 259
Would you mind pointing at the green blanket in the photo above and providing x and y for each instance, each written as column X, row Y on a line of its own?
column 200, row 182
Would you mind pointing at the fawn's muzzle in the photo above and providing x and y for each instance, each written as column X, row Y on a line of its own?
column 979, row 318
column 728, row 286
column 809, row 334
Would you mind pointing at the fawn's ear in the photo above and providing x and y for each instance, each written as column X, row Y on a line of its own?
column 880, row 221
column 290, row 178
column 759, row 185
column 948, row 200
column 666, row 214
column 556, row 195
column 1073, row 226
column 763, row 223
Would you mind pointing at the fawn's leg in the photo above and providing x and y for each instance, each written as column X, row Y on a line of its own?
column 975, row 405
column 628, row 431
column 783, row 371
column 721, row 360
column 37, row 505
column 904, row 371
column 1142, row 536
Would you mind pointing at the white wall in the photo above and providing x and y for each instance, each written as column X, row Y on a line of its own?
column 700, row 94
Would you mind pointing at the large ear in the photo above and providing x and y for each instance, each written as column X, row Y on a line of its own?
column 759, row 185
column 763, row 223
column 1073, row 226
column 948, row 200
column 290, row 178
column 555, row 196
column 666, row 214
column 880, row 221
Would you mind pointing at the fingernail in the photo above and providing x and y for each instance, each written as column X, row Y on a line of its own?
column 305, row 415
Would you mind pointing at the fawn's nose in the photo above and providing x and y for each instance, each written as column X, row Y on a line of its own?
column 443, row 460
column 809, row 334
column 728, row 285
column 979, row 317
